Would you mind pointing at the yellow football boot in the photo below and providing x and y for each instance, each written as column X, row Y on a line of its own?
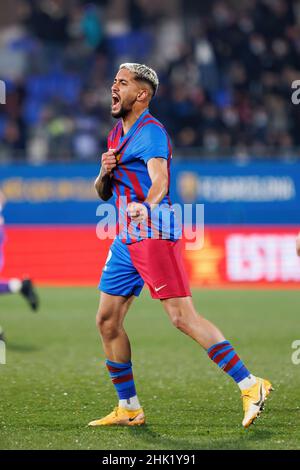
column 254, row 399
column 122, row 417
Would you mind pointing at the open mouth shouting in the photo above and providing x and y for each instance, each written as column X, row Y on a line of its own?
column 115, row 102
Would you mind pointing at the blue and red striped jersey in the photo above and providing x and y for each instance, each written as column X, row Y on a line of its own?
column 146, row 139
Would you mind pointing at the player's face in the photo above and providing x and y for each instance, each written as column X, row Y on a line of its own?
column 124, row 92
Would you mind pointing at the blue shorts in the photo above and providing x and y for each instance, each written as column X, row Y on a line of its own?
column 119, row 276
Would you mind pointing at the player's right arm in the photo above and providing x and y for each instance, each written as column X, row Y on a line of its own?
column 103, row 182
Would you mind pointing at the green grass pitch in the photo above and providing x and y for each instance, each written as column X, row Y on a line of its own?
column 55, row 381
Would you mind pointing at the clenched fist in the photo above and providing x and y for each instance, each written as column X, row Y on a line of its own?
column 109, row 161
column 137, row 211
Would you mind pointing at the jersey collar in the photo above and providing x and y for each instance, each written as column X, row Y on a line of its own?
column 134, row 125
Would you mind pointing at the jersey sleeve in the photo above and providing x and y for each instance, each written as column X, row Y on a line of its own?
column 154, row 143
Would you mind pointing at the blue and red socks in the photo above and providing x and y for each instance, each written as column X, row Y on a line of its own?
column 224, row 355
column 122, row 378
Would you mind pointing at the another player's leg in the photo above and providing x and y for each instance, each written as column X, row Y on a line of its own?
column 116, row 346
column 29, row 293
column 254, row 390
column 5, row 288
column 23, row 287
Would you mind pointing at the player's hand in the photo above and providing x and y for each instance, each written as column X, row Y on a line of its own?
column 298, row 244
column 108, row 161
column 138, row 212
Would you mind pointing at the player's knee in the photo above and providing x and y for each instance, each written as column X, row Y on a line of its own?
column 109, row 330
column 106, row 325
column 177, row 318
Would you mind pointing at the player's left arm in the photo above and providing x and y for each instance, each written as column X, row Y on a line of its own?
column 158, row 172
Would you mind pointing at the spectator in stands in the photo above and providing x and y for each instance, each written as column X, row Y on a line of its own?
column 238, row 67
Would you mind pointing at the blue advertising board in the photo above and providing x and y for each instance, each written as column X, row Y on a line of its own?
column 256, row 193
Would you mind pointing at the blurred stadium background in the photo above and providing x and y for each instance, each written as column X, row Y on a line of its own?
column 226, row 70
column 225, row 98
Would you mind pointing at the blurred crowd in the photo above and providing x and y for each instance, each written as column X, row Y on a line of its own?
column 225, row 69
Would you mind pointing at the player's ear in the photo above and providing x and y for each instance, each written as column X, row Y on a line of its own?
column 143, row 95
